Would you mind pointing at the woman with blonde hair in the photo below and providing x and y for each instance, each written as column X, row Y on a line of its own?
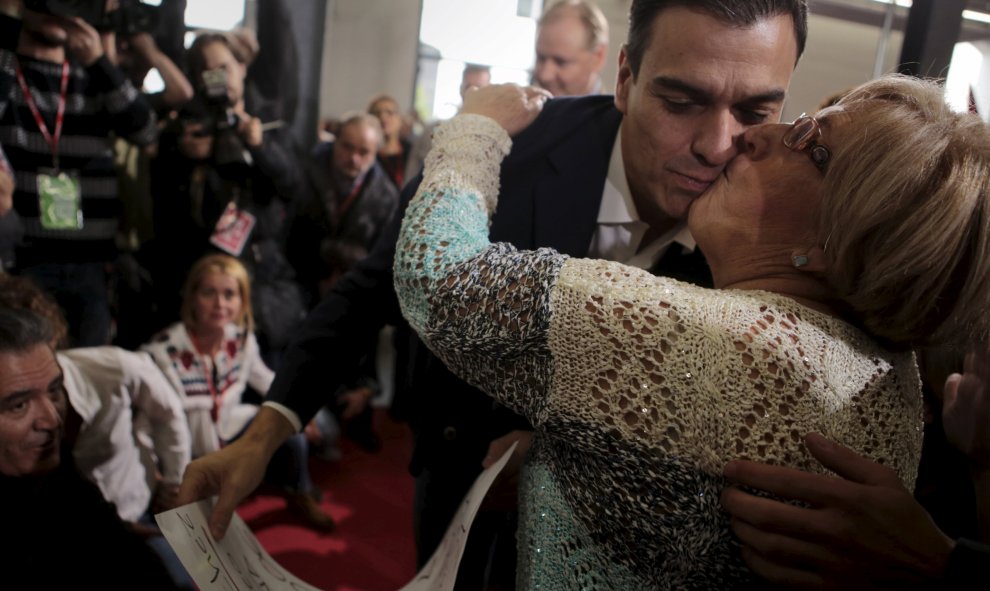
column 837, row 244
column 211, row 357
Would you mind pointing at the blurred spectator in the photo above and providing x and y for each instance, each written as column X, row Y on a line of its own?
column 133, row 299
column 223, row 183
column 11, row 229
column 394, row 151
column 210, row 358
column 327, row 129
column 571, row 45
column 137, row 56
column 67, row 197
column 473, row 76
column 352, row 203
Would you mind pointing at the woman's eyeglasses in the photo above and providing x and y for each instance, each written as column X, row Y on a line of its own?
column 803, row 136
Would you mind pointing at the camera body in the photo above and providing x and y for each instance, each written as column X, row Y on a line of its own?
column 91, row 11
column 212, row 109
column 131, row 18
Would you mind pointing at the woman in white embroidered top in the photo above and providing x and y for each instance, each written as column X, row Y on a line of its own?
column 837, row 243
column 211, row 357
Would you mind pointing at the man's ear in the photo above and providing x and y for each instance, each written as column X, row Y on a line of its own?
column 623, row 81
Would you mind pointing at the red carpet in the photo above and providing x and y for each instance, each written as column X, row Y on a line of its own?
column 370, row 498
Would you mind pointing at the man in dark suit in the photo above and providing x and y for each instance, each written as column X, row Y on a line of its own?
column 595, row 176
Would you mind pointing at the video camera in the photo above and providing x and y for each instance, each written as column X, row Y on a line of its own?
column 132, row 17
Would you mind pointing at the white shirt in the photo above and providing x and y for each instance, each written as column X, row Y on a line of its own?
column 238, row 365
column 620, row 230
column 109, row 387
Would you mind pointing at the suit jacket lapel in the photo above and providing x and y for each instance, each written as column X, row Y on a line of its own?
column 566, row 204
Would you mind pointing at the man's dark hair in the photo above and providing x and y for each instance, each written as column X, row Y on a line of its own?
column 740, row 13
column 22, row 293
column 21, row 330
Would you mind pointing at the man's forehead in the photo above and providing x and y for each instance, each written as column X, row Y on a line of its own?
column 32, row 370
column 682, row 32
column 565, row 28
column 357, row 133
column 707, row 56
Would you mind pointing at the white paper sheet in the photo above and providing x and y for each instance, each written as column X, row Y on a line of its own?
column 238, row 562
column 440, row 572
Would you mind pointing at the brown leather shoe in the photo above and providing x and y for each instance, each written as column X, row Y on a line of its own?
column 306, row 507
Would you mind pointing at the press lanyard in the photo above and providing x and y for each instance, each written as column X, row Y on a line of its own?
column 59, row 114
column 209, row 368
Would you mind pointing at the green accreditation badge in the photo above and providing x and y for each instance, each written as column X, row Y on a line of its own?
column 60, row 200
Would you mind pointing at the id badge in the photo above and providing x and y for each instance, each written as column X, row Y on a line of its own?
column 232, row 230
column 59, row 200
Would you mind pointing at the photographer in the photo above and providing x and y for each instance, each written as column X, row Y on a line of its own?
column 61, row 100
column 136, row 26
column 221, row 183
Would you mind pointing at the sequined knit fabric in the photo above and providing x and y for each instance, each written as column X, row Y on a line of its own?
column 641, row 388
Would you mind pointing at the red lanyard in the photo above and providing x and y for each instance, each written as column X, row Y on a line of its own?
column 348, row 202
column 59, row 114
column 209, row 366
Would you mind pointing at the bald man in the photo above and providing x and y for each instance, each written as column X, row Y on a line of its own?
column 571, row 45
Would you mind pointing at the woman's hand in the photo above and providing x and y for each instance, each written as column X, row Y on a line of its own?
column 511, row 106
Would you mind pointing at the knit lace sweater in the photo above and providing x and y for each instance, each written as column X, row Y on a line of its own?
column 641, row 388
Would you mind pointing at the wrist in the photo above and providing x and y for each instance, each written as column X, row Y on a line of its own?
column 91, row 59
column 268, row 431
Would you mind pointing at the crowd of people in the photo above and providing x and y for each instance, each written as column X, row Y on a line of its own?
column 728, row 349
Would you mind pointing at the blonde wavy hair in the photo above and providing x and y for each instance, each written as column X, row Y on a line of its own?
column 225, row 265
column 905, row 218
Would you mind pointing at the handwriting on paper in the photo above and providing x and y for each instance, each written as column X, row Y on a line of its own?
column 236, row 563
